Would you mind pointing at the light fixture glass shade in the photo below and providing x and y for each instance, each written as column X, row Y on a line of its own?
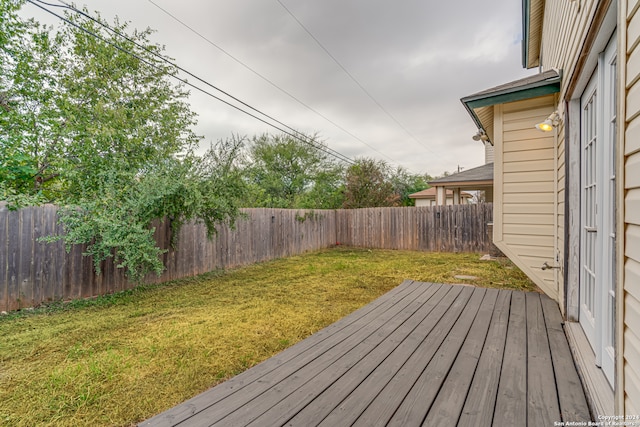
column 546, row 126
column 480, row 136
column 551, row 122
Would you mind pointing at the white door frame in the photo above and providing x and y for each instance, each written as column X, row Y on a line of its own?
column 608, row 64
column 589, row 249
column 597, row 210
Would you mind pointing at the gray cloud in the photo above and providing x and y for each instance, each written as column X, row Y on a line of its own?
column 416, row 57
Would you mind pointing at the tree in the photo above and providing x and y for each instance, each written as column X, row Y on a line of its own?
column 21, row 72
column 105, row 132
column 326, row 192
column 117, row 223
column 285, row 172
column 368, row 185
column 80, row 111
column 406, row 183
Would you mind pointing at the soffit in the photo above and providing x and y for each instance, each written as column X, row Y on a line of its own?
column 532, row 22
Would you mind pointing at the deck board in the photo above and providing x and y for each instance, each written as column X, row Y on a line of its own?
column 451, row 398
column 480, row 400
column 570, row 393
column 390, row 397
column 372, row 373
column 511, row 402
column 416, row 403
column 423, row 354
column 542, row 397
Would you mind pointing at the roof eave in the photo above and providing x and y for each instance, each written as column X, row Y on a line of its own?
column 433, row 197
column 534, row 89
column 532, row 20
column 483, row 182
column 474, row 117
column 525, row 33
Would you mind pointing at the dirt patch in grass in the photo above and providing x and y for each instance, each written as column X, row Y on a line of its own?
column 120, row 360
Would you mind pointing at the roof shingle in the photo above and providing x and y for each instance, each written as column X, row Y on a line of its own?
column 481, row 173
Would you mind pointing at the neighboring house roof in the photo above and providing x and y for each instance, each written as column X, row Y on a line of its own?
column 482, row 175
column 479, row 105
column 430, row 193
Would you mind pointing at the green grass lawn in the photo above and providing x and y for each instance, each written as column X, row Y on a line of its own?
column 120, row 359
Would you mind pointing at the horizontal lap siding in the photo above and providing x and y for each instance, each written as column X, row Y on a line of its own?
column 566, row 24
column 631, row 303
column 526, row 183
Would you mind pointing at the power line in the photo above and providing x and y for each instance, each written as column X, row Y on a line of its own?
column 351, row 76
column 269, row 81
column 308, row 140
column 326, row 150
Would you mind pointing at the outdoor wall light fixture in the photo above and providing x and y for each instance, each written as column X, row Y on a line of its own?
column 481, row 136
column 550, row 123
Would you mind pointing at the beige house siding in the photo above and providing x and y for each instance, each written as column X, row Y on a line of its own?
column 488, row 153
column 630, row 304
column 566, row 24
column 525, row 189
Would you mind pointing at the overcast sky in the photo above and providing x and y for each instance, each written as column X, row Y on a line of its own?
column 416, row 58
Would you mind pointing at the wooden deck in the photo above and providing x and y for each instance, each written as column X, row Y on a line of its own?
column 423, row 354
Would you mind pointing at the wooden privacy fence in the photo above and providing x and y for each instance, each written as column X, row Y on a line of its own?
column 457, row 228
column 32, row 272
